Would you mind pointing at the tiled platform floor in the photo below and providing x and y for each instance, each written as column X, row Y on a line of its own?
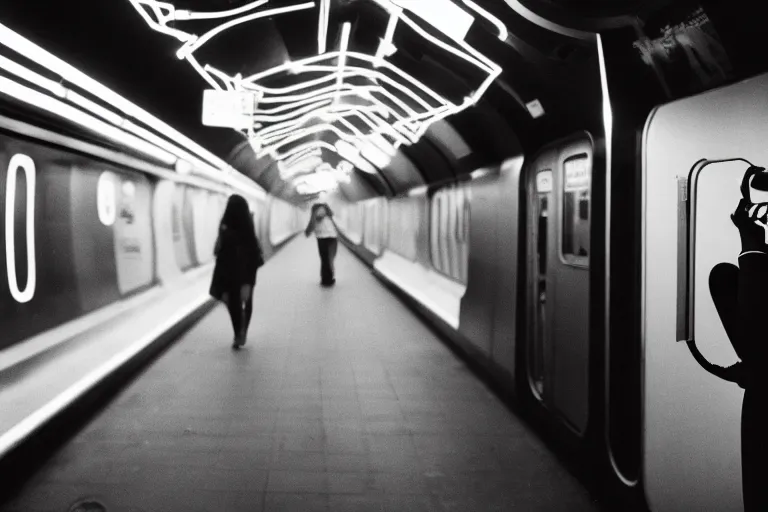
column 342, row 400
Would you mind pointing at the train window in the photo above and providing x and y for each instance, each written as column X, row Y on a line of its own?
column 449, row 232
column 542, row 235
column 543, row 189
column 575, row 226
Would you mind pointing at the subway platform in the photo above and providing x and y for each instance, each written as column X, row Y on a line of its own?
column 342, row 400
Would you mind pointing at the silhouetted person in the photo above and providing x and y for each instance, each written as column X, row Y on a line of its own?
column 740, row 295
column 238, row 256
column 322, row 225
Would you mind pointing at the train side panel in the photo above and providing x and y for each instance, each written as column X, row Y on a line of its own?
column 78, row 233
column 37, row 226
column 692, row 419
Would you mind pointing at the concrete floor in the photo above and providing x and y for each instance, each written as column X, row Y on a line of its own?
column 342, row 400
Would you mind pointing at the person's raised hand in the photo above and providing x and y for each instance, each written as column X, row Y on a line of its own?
column 751, row 221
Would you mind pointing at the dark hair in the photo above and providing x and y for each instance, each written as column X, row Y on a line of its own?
column 317, row 206
column 237, row 217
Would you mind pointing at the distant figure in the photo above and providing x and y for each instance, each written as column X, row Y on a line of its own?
column 321, row 223
column 238, row 256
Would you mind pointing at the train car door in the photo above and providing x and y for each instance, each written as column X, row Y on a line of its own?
column 539, row 234
column 558, row 274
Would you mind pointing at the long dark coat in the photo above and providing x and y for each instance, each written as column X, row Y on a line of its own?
column 237, row 261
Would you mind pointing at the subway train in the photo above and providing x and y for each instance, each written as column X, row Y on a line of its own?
column 586, row 295
column 86, row 226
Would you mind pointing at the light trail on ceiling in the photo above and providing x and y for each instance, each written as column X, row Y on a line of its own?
column 397, row 108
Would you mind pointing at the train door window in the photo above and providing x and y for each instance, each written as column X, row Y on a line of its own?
column 576, row 204
column 542, row 205
column 543, row 189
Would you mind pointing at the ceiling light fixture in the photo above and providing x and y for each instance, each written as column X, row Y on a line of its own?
column 400, row 106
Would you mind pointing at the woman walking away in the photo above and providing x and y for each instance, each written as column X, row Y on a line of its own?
column 322, row 224
column 238, row 256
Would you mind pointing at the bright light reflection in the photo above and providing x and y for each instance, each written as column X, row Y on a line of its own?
column 26, row 164
column 376, row 156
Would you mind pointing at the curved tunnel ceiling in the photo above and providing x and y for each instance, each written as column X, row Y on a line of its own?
column 406, row 97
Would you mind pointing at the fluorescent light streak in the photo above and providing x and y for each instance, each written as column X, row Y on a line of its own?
column 534, row 18
column 162, row 18
column 437, row 42
column 296, row 135
column 358, row 91
column 38, row 99
column 201, row 70
column 95, row 108
column 32, row 77
column 342, row 58
column 187, row 15
column 315, row 144
column 28, row 166
column 400, row 125
column 293, row 101
column 384, row 49
column 350, row 71
column 444, row 15
column 374, row 154
column 305, row 132
column 194, row 44
column 503, row 34
column 368, row 116
column 382, row 144
column 364, row 91
column 37, row 54
column 347, row 150
column 302, row 154
column 87, row 104
column 607, row 111
column 322, row 30
column 301, row 166
column 350, row 153
column 400, row 106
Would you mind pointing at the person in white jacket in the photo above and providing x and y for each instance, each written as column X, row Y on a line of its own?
column 321, row 223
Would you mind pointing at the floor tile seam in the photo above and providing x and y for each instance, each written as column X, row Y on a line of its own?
column 322, row 423
column 359, row 431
